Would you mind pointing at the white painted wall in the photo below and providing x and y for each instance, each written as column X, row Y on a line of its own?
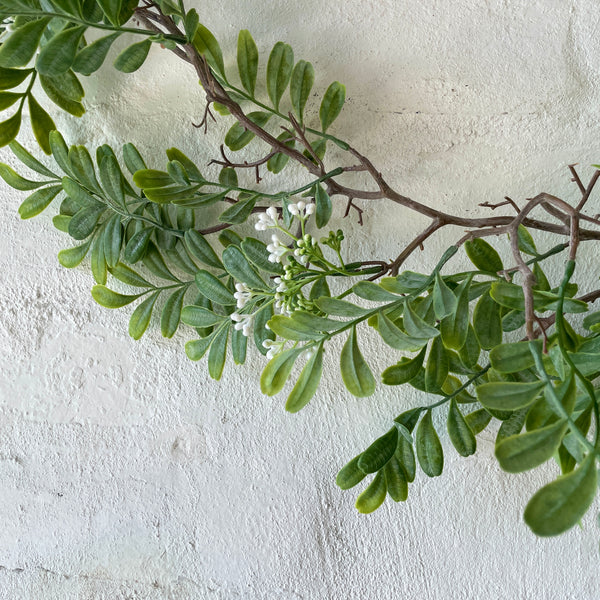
column 127, row 473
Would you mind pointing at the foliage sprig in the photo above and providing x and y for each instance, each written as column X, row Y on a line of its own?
column 496, row 343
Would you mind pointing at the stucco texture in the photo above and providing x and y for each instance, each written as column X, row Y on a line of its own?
column 127, row 473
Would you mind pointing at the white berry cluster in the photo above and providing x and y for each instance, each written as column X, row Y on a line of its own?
column 243, row 322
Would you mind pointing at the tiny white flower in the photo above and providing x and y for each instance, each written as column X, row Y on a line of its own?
column 272, row 212
column 303, row 260
column 301, row 205
column 310, row 208
column 293, row 209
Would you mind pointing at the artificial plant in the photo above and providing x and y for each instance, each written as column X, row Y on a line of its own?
column 495, row 343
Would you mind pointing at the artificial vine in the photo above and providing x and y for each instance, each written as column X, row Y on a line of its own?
column 496, row 343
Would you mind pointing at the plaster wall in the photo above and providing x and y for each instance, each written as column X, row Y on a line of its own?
column 128, row 474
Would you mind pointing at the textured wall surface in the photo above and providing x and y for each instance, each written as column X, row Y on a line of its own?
column 128, row 474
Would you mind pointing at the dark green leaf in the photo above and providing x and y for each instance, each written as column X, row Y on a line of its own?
column 197, row 316
column 238, row 266
column 132, row 58
column 487, row 322
column 20, row 47
column 27, row 159
column 247, row 60
column 277, row 371
column 90, row 59
column 112, row 241
column 405, row 370
column 483, row 256
column 207, row 45
column 137, row 245
column 303, row 77
column 561, row 504
column 218, row 353
column 155, row 263
column 213, row 289
column 511, row 357
column 279, row 71
column 16, row 181
column 307, row 383
column 436, row 370
column 237, row 137
column 57, row 96
column 10, row 128
column 57, row 56
column 526, row 243
column 129, row 276
column 508, row 395
column 379, row 452
column 256, row 252
column 429, row 448
column 199, row 248
column 444, row 300
column 7, row 99
column 460, row 433
column 240, row 211
column 395, row 477
column 84, row 222
column 356, row 374
column 350, row 475
column 340, row 308
column 138, row 323
column 323, row 205
column 332, row 103
column 478, row 420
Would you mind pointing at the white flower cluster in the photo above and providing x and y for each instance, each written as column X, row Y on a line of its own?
column 274, row 347
column 280, row 296
column 300, row 252
column 301, row 209
column 243, row 322
column 276, row 249
column 267, row 219
column 242, row 294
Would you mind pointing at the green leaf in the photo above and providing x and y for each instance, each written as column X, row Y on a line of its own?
column 138, row 323
column 483, row 256
column 109, row 299
column 213, row 289
column 59, row 95
column 277, row 162
column 279, row 71
column 372, row 498
column 461, row 436
column 508, row 395
column 218, row 353
column 41, row 124
column 444, row 300
column 436, row 370
column 84, row 222
column 199, row 248
column 197, row 316
column 240, row 211
column 239, row 346
column 454, row 327
column 256, row 252
column 429, row 448
column 307, row 383
column 340, row 308
column 379, row 452
column 112, row 179
column 237, row 137
column 323, row 207
column 7, row 99
column 137, row 245
column 525, row 451
column 303, row 78
column 155, row 263
column 112, row 10
column 393, row 336
column 97, row 261
column 356, row 375
column 332, row 103
column 278, row 370
column 237, row 265
column 397, row 484
column 112, row 240
column 132, row 158
column 207, row 45
column 27, row 159
column 350, row 475
column 20, row 47
column 10, row 128
column 151, row 178
column 129, row 276
column 417, row 327
column 478, row 420
column 469, row 353
column 405, row 370
column 35, row 203
column 526, row 243
column 90, row 59
column 190, row 168
column 57, row 56
column 196, row 349
column 290, row 329
column 561, row 504
column 261, row 333
column 71, row 257
column 247, row 60
column 17, row 182
column 511, row 357
column 132, row 58
column 487, row 322
column 373, row 292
